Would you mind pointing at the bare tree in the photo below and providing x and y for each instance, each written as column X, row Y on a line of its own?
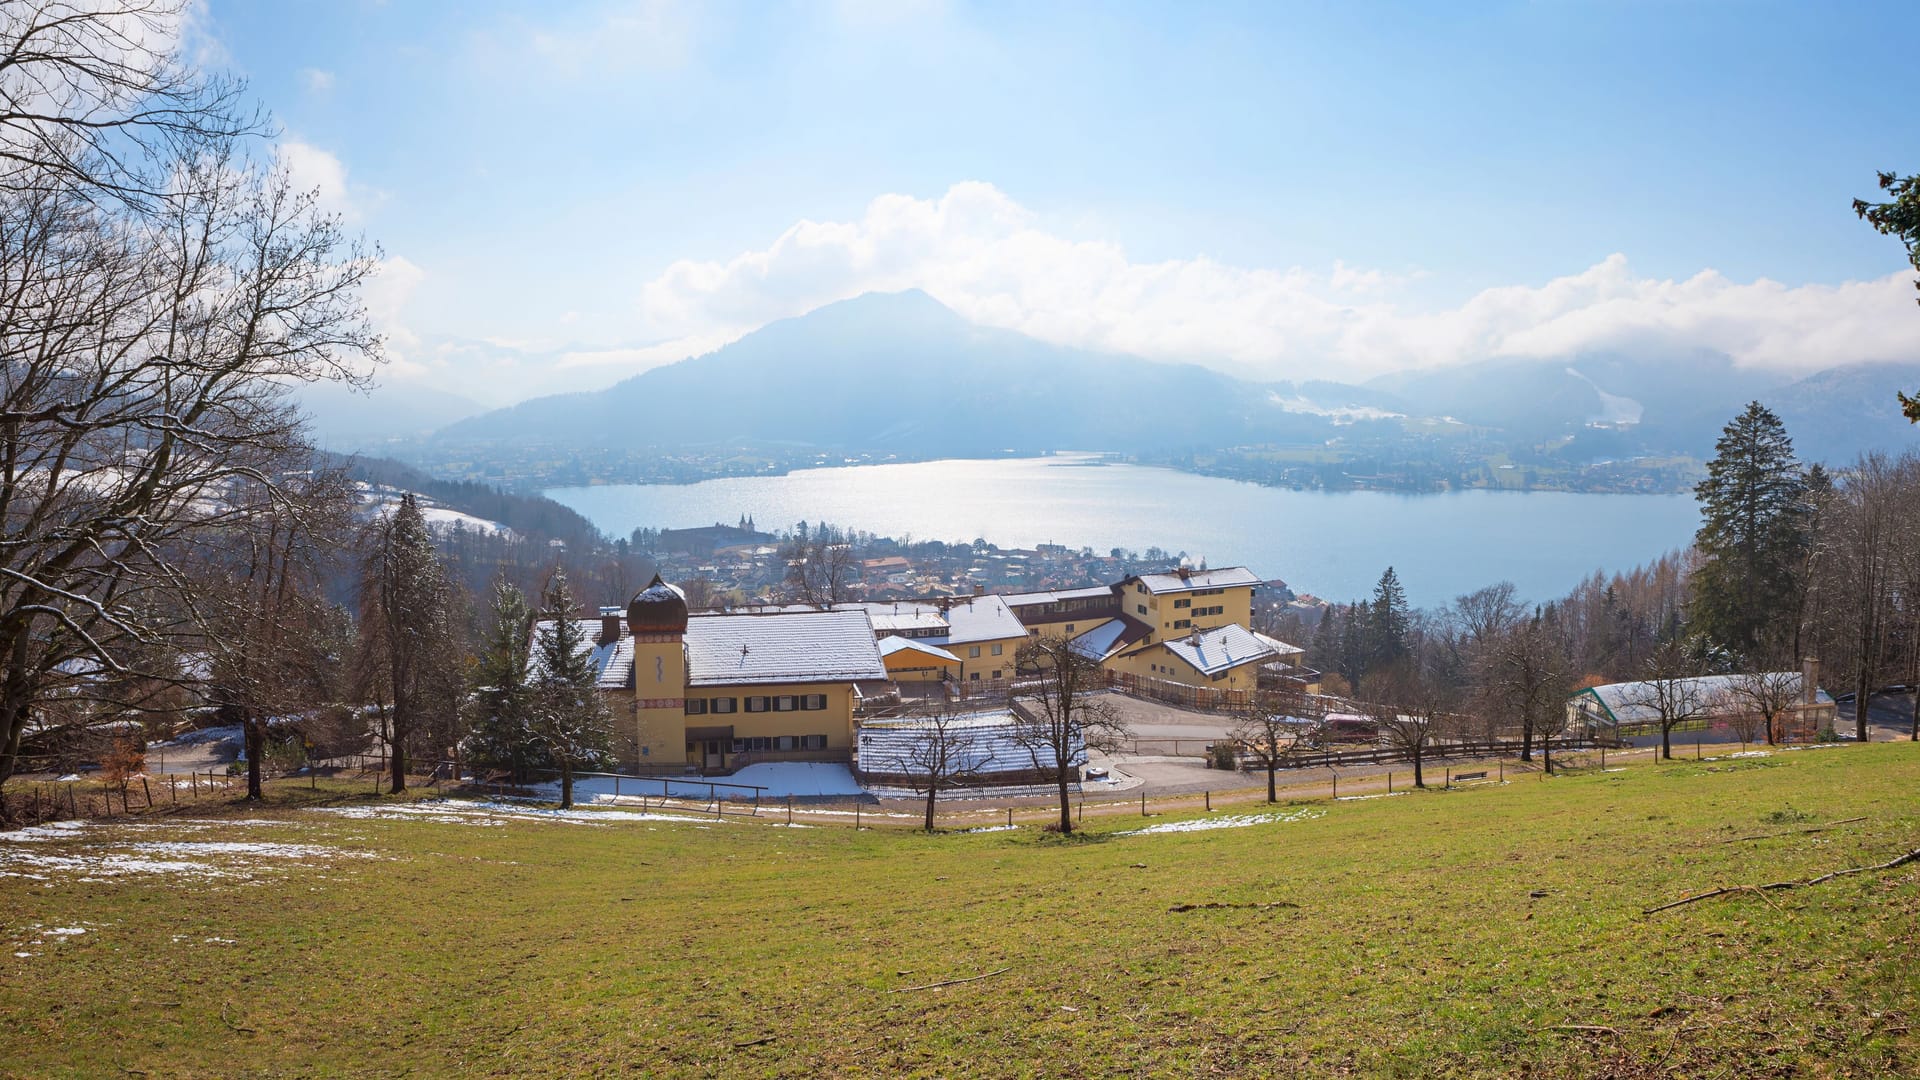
column 1524, row 675
column 1757, row 700
column 1060, row 720
column 1671, row 691
column 934, row 751
column 1859, row 567
column 144, row 368
column 821, row 567
column 96, row 99
column 265, row 625
column 1267, row 731
column 1407, row 710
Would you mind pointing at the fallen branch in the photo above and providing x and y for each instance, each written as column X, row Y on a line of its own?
column 1586, row 1029
column 236, row 1027
column 1217, row 906
column 949, row 982
column 755, row 1042
column 1772, row 885
column 1794, row 832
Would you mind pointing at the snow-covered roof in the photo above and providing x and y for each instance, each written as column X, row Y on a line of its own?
column 1053, row 596
column 1099, row 642
column 892, row 645
column 813, row 646
column 1639, row 702
column 979, row 743
column 612, row 662
column 981, row 618
column 893, row 618
column 1223, row 578
column 1223, row 648
column 1279, row 646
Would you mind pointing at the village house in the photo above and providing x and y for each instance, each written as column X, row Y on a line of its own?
column 1709, row 701
column 716, row 692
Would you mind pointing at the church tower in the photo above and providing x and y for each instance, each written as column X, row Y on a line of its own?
column 657, row 617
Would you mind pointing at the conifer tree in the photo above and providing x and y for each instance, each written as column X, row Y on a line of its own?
column 500, row 705
column 1387, row 621
column 407, row 638
column 568, row 718
column 1752, row 538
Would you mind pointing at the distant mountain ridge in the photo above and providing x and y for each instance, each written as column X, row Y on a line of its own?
column 900, row 372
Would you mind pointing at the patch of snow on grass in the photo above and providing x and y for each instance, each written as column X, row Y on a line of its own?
column 467, row 812
column 1230, row 821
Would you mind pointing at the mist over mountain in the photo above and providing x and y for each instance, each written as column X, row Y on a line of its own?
column 344, row 419
column 901, row 373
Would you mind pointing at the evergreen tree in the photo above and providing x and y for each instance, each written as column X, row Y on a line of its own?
column 1387, row 622
column 568, row 717
column 1753, row 536
column 501, row 702
column 407, row 639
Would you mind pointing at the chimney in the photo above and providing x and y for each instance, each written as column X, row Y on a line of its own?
column 1809, row 680
column 1185, row 572
column 610, row 625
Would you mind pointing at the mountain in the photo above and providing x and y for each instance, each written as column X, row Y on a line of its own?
column 901, row 371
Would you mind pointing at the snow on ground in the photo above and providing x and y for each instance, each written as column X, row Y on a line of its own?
column 468, row 812
column 94, row 851
column 1230, row 821
column 48, row 935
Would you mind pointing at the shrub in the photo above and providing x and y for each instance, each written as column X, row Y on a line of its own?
column 1785, row 816
column 1223, row 756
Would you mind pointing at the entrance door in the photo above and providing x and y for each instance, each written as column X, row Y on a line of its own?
column 716, row 753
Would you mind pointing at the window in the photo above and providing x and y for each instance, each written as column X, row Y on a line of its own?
column 1069, row 629
column 756, row 704
column 696, row 706
column 760, row 742
column 996, row 648
column 813, row 702
column 1182, row 624
column 1183, row 603
column 973, row 652
column 1141, row 608
column 816, row 742
column 996, row 673
column 785, row 703
column 784, row 742
column 975, row 677
column 723, row 705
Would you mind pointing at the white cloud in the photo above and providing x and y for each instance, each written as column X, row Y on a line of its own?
column 983, row 254
column 316, row 80
column 313, row 169
column 386, row 296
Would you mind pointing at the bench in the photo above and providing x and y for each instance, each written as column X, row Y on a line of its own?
column 1465, row 776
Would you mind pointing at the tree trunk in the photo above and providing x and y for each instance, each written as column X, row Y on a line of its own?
column 1666, row 740
column 1066, row 801
column 1418, row 780
column 1862, row 705
column 1273, row 766
column 566, row 784
column 255, row 732
column 397, row 750
column 932, row 790
column 1526, row 742
column 1913, row 716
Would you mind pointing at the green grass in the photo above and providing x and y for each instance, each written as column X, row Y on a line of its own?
column 1436, row 934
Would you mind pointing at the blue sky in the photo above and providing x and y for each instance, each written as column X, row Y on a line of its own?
column 570, row 195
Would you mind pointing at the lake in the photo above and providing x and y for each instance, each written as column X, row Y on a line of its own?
column 1332, row 544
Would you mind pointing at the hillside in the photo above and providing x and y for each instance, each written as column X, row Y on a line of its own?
column 1495, row 930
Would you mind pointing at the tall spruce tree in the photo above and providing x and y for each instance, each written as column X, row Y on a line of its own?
column 1753, row 538
column 501, row 702
column 1898, row 217
column 569, row 719
column 407, row 643
column 1387, row 622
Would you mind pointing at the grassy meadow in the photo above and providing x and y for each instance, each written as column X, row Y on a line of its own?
column 1489, row 930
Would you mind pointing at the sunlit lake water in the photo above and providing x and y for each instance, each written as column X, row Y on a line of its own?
column 1333, row 544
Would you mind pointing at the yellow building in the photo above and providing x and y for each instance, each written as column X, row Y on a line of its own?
column 719, row 691
column 916, row 661
column 1182, row 600
column 1223, row 658
column 981, row 632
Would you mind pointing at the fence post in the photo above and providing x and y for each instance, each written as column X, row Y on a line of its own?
column 1336, row 787
column 1389, row 781
column 72, row 809
column 1209, row 801
column 1143, row 802
column 856, row 815
column 789, row 809
column 147, row 789
column 1503, row 771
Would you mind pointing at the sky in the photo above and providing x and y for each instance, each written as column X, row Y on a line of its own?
column 566, row 195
